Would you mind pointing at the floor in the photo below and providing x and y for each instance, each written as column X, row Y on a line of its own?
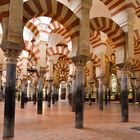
column 57, row 123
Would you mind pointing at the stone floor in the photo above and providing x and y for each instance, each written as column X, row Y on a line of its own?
column 57, row 123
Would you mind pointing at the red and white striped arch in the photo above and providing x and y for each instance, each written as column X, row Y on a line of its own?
column 62, row 68
column 53, row 27
column 136, row 42
column 56, row 27
column 138, row 11
column 87, row 71
column 96, row 60
column 135, row 65
column 30, row 47
column 32, row 61
column 60, row 49
column 33, row 28
column 108, row 26
column 117, row 6
column 95, row 39
column 110, row 59
column 55, row 10
column 137, row 8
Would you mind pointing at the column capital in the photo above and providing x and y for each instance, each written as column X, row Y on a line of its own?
column 11, row 51
column 12, row 55
column 80, row 60
column 42, row 70
column 50, row 80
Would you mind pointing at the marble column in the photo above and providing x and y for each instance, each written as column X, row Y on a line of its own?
column 49, row 92
column 1, row 84
column 138, row 91
column 68, row 92
column 97, row 87
column 9, row 108
column 34, row 93
column 80, row 62
column 100, row 93
column 46, row 95
column 23, row 94
column 106, row 93
column 73, row 93
column 53, row 94
column 90, row 103
column 40, row 95
column 35, row 80
column 124, row 96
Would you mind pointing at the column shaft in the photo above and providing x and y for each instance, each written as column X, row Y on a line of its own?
column 40, row 96
column 106, row 100
column 100, row 94
column 73, row 93
column 124, row 96
column 34, row 95
column 23, row 93
column 9, row 108
column 49, row 92
column 79, row 100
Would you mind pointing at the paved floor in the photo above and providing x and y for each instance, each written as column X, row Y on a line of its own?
column 57, row 123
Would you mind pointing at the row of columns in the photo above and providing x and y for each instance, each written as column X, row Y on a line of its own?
column 78, row 94
column 78, row 82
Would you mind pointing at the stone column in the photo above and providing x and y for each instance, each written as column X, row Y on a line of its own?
column 34, row 94
column 0, row 84
column 40, row 91
column 73, row 92
column 90, row 103
column 24, row 91
column 138, row 91
column 46, row 95
column 18, row 96
column 80, row 62
column 100, row 93
column 100, row 72
column 106, row 84
column 97, row 86
column 35, row 80
column 124, row 96
column 53, row 90
column 68, row 91
column 9, row 108
column 106, row 93
column 49, row 92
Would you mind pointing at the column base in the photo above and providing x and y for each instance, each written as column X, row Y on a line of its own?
column 49, row 105
column 8, row 132
column 79, row 124
column 100, row 107
column 125, row 120
column 39, row 112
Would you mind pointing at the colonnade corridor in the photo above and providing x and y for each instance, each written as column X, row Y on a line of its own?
column 57, row 123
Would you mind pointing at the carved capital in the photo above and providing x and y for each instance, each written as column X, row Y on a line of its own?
column 42, row 70
column 12, row 55
column 80, row 60
column 50, row 80
column 11, row 51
